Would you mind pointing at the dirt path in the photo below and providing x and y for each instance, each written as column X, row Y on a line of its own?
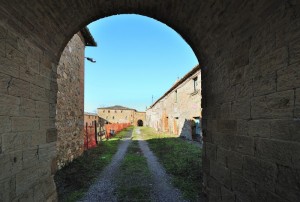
column 163, row 191
column 104, row 188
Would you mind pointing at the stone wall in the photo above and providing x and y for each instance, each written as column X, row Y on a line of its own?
column 27, row 119
column 176, row 110
column 116, row 115
column 139, row 116
column 70, row 101
column 249, row 54
column 120, row 115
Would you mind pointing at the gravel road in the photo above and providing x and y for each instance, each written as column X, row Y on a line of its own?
column 104, row 188
column 163, row 190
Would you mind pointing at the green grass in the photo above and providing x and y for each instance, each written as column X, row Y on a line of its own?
column 73, row 180
column 181, row 160
column 134, row 179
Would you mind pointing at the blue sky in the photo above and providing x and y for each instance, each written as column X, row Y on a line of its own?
column 137, row 58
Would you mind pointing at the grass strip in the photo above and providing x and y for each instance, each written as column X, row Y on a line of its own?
column 181, row 159
column 73, row 180
column 134, row 178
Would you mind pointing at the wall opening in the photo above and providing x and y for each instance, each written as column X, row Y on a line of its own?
column 140, row 123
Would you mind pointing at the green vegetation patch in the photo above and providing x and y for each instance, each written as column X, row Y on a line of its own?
column 134, row 179
column 181, row 159
column 73, row 180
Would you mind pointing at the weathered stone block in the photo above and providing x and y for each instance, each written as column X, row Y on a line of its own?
column 220, row 173
column 8, row 67
column 44, row 189
column 24, row 124
column 7, row 191
column 38, row 137
column 268, row 64
column 282, row 152
column 26, row 179
column 3, row 32
column 244, row 189
column 225, row 111
column 27, row 107
column 241, row 109
column 289, row 77
column 4, row 81
column 27, row 196
column 11, row 164
column 263, row 195
column 15, row 55
column 227, row 195
column 52, row 110
column 242, row 127
column 20, row 88
column 42, row 109
column 5, row 124
column 259, row 128
column 30, row 75
column 10, row 105
column 221, row 156
column 260, row 172
column 227, row 126
column 210, row 151
column 263, row 85
column 33, row 64
column 15, row 141
column 214, row 188
column 286, row 130
column 38, row 93
column 276, row 105
column 244, row 89
column 297, row 101
column 46, row 71
column 51, row 135
column 2, row 47
column 288, row 186
column 244, row 145
column 223, row 140
column 294, row 52
column 240, row 75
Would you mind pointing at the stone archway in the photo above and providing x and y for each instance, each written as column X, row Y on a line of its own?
column 249, row 53
column 140, row 122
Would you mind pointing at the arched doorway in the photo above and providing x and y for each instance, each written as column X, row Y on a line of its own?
column 140, row 123
column 246, row 49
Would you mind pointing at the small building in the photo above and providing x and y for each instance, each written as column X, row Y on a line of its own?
column 120, row 114
column 179, row 111
column 90, row 118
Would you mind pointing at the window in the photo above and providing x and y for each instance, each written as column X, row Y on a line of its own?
column 113, row 117
column 176, row 96
column 195, row 84
column 121, row 111
column 108, row 111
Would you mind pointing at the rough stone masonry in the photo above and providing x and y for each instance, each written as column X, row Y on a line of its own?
column 250, row 54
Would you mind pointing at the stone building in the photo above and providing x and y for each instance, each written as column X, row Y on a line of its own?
column 250, row 56
column 120, row 114
column 178, row 111
column 70, row 98
column 90, row 118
